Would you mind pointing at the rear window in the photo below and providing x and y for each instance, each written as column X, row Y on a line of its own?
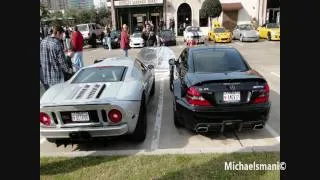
column 100, row 74
column 219, row 30
column 82, row 27
column 218, row 61
column 136, row 35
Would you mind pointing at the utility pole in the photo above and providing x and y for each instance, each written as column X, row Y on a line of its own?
column 113, row 15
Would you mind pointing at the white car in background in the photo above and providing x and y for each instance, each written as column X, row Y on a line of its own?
column 193, row 33
column 136, row 40
column 90, row 28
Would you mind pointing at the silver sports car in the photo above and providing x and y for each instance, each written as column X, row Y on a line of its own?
column 104, row 99
column 245, row 32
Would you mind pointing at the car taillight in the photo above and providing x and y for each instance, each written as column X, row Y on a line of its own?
column 45, row 119
column 88, row 34
column 115, row 115
column 194, row 98
column 264, row 95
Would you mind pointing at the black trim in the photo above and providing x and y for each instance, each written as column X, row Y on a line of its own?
column 101, row 90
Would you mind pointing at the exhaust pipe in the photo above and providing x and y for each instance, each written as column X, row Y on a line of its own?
column 258, row 126
column 202, row 129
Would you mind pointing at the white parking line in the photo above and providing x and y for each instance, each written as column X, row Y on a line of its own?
column 157, row 125
column 273, row 132
column 42, row 140
column 275, row 74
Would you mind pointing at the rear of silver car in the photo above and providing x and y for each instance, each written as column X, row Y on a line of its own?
column 86, row 121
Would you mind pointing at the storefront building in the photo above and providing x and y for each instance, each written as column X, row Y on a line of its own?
column 187, row 12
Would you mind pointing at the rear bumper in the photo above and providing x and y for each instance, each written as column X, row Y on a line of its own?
column 66, row 133
column 216, row 117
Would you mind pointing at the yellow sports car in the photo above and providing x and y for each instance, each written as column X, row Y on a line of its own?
column 270, row 31
column 220, row 35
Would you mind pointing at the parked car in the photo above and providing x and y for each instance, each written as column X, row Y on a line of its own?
column 215, row 88
column 245, row 32
column 270, row 31
column 136, row 40
column 90, row 30
column 193, row 33
column 96, row 102
column 167, row 38
column 220, row 34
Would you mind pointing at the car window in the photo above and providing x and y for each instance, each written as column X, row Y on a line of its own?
column 141, row 66
column 219, row 30
column 136, row 35
column 246, row 27
column 273, row 25
column 93, row 26
column 83, row 27
column 100, row 74
column 218, row 60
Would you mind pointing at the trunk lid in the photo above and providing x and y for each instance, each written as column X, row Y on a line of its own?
column 233, row 88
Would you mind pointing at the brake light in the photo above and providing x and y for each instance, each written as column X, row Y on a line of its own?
column 115, row 116
column 194, row 98
column 45, row 119
column 88, row 34
column 264, row 96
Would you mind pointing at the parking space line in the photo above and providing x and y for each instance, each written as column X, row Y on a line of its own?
column 42, row 140
column 275, row 74
column 157, row 125
column 273, row 132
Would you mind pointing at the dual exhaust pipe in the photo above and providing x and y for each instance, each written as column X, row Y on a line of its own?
column 204, row 129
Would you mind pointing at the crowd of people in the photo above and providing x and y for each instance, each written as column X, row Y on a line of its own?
column 60, row 55
column 61, row 50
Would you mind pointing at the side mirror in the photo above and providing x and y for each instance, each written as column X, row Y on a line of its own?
column 172, row 62
column 150, row 66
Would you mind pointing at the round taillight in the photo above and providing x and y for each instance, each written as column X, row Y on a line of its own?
column 45, row 119
column 115, row 115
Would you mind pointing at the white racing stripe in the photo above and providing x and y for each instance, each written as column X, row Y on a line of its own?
column 157, row 126
column 273, row 132
column 275, row 74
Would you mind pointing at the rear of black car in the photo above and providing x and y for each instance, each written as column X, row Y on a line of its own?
column 167, row 38
column 220, row 90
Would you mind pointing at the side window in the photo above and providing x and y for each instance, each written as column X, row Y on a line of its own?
column 93, row 26
column 140, row 66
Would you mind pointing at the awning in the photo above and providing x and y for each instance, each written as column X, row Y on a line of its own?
column 231, row 6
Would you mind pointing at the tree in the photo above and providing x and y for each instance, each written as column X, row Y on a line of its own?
column 210, row 8
column 44, row 12
column 113, row 15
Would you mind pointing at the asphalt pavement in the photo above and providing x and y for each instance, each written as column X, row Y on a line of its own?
column 164, row 137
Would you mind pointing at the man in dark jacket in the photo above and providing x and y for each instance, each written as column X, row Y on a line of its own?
column 149, row 37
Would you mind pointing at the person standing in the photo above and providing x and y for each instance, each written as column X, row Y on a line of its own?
column 149, row 37
column 52, row 59
column 124, row 42
column 108, row 36
column 77, row 47
column 67, row 37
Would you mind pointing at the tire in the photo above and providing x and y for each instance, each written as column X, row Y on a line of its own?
column 176, row 122
column 241, row 38
column 140, row 132
column 269, row 37
column 152, row 91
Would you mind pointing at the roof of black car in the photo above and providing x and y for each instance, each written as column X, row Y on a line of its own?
column 210, row 47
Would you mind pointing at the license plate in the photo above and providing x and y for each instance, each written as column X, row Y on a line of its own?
column 231, row 97
column 80, row 116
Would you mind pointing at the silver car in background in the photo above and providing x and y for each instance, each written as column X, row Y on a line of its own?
column 245, row 32
column 108, row 98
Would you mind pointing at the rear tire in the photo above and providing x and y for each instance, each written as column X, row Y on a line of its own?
column 269, row 37
column 177, row 124
column 140, row 132
column 51, row 140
